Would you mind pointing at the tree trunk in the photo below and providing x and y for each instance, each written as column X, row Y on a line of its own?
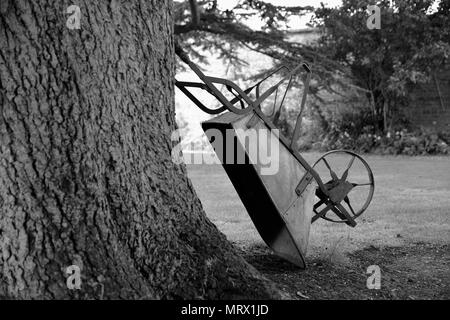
column 86, row 175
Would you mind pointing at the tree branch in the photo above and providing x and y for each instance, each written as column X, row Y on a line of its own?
column 195, row 13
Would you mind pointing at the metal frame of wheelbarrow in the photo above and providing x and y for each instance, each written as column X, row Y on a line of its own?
column 330, row 194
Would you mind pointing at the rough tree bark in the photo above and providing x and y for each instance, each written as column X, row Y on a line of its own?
column 86, row 175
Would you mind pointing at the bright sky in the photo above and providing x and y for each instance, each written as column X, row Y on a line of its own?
column 228, row 4
column 294, row 22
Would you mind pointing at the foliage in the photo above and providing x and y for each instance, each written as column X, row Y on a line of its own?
column 354, row 130
column 411, row 43
column 223, row 32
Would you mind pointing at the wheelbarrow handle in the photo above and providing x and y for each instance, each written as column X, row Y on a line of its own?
column 183, row 85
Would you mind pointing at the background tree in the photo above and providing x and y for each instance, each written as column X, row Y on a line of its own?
column 86, row 175
column 211, row 29
column 203, row 29
column 412, row 43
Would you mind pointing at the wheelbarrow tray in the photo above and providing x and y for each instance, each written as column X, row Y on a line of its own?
column 281, row 215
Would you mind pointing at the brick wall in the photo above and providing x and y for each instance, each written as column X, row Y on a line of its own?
column 428, row 108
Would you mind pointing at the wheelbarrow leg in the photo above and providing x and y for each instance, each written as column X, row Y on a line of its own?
column 342, row 213
column 338, row 209
column 322, row 212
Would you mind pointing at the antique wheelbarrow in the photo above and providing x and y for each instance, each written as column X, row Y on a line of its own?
column 282, row 205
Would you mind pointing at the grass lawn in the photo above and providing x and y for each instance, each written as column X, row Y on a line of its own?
column 408, row 221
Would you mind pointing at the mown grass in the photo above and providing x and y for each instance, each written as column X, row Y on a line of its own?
column 411, row 204
column 405, row 231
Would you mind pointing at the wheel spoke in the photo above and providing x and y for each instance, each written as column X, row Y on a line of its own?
column 345, row 174
column 347, row 201
column 332, row 173
column 362, row 184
